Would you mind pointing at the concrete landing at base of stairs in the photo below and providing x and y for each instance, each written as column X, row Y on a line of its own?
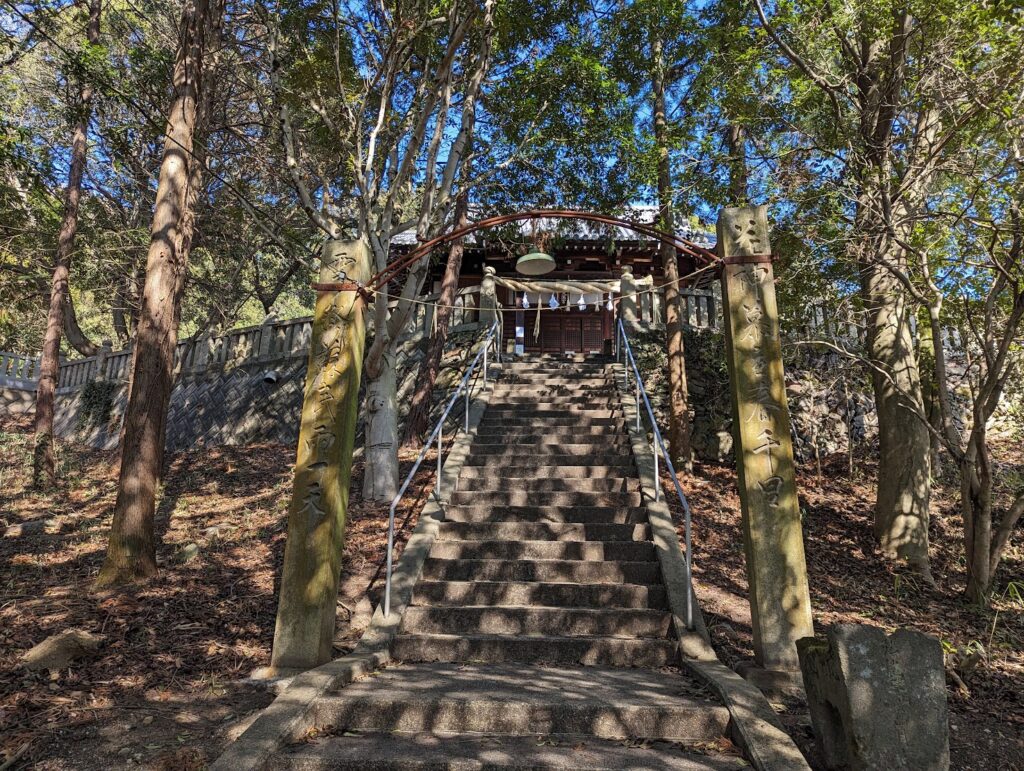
column 429, row 752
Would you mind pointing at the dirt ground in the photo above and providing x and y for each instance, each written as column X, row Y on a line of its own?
column 169, row 686
column 851, row 583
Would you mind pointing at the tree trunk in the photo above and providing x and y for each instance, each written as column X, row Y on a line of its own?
column 380, row 475
column 131, row 550
column 679, row 413
column 419, row 413
column 43, row 465
column 76, row 338
column 976, row 506
column 904, row 468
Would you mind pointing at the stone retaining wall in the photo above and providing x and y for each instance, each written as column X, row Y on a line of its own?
column 824, row 416
column 241, row 388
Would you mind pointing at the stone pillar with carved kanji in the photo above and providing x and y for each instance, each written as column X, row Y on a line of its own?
column 773, row 538
column 304, row 634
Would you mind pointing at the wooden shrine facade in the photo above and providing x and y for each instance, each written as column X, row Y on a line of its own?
column 571, row 326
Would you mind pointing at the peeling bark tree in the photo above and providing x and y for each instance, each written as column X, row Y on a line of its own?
column 59, row 313
column 419, row 411
column 869, row 97
column 679, row 412
column 131, row 550
column 402, row 129
column 995, row 324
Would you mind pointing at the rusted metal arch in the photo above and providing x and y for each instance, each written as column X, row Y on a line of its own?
column 383, row 277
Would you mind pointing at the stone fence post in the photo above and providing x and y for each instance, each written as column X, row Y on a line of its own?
column 267, row 329
column 627, row 298
column 100, row 366
column 488, row 298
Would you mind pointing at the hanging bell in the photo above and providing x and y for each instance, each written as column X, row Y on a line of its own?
column 536, row 263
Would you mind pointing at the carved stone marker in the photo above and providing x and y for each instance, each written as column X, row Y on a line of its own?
column 776, row 571
column 877, row 701
column 306, row 612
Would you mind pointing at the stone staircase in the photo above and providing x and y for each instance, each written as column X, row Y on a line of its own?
column 538, row 635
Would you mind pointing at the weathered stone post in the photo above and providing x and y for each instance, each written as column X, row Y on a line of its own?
column 773, row 539
column 627, row 297
column 267, row 330
column 306, row 611
column 488, row 298
column 100, row 371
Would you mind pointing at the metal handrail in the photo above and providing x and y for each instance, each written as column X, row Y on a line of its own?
column 437, row 433
column 622, row 344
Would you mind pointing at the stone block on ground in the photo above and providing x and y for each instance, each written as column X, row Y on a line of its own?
column 877, row 701
column 59, row 650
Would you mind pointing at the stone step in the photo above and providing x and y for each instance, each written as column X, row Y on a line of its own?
column 628, row 551
column 539, row 594
column 571, row 396
column 531, row 392
column 589, row 515
column 524, row 457
column 543, row 531
column 542, row 498
column 555, row 364
column 501, row 483
column 569, row 369
column 552, row 622
column 433, row 752
column 496, row 421
column 540, row 411
column 546, row 431
column 596, row 445
column 525, row 383
column 575, row 571
column 549, row 438
column 620, row 470
column 601, row 702
column 497, row 649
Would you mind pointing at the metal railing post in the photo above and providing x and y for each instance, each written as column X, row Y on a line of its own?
column 658, row 447
column 391, row 551
column 657, row 476
column 464, row 386
column 689, row 568
column 637, row 402
column 440, row 436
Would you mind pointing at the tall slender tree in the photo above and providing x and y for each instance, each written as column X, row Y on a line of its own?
column 59, row 310
column 131, row 549
column 678, row 393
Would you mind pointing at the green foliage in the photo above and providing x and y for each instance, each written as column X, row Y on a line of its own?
column 97, row 402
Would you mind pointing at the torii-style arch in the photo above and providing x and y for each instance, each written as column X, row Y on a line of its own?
column 779, row 598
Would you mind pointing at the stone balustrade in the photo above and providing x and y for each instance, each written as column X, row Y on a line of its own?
column 18, row 371
column 281, row 340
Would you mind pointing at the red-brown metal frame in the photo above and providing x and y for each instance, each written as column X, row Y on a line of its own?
column 383, row 277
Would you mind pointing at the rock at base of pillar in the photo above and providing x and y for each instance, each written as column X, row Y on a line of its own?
column 876, row 700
